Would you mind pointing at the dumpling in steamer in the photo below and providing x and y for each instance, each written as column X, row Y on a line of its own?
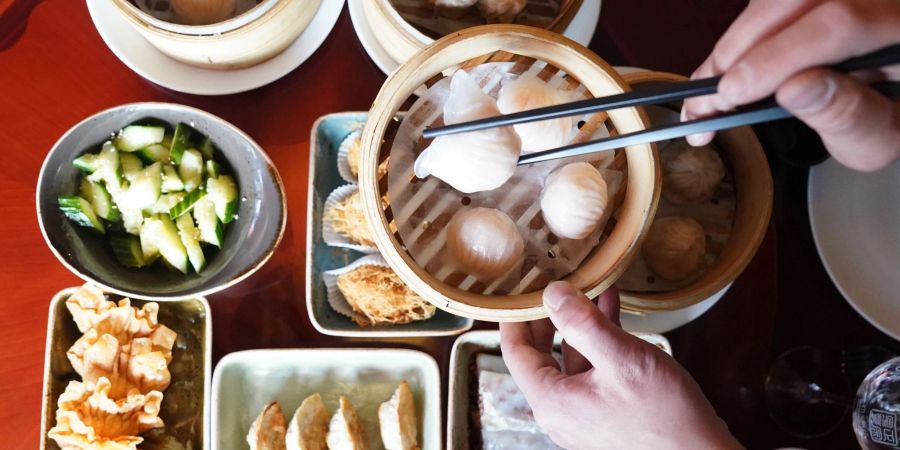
column 501, row 11
column 574, row 200
column 530, row 92
column 484, row 242
column 453, row 9
column 475, row 161
column 675, row 247
column 690, row 174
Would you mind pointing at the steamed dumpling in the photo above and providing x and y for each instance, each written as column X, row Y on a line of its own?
column 501, row 11
column 475, row 161
column 529, row 93
column 453, row 9
column 675, row 247
column 574, row 200
column 690, row 174
column 484, row 241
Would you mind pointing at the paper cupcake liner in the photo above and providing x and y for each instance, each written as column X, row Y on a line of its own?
column 342, row 163
column 335, row 297
column 334, row 237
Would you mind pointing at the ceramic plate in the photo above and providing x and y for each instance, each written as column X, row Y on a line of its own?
column 581, row 29
column 854, row 218
column 142, row 57
column 244, row 382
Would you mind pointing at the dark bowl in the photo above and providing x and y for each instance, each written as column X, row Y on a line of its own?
column 249, row 241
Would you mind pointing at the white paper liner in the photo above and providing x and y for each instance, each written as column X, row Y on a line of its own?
column 422, row 208
column 537, row 13
column 334, row 237
column 336, row 298
column 342, row 164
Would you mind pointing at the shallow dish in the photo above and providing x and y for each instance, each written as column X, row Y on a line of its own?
column 249, row 241
column 246, row 381
column 327, row 134
column 190, row 318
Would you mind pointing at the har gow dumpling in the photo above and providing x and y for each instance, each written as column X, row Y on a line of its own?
column 475, row 161
column 529, row 93
column 690, row 174
column 453, row 9
column 484, row 242
column 675, row 247
column 501, row 11
column 574, row 200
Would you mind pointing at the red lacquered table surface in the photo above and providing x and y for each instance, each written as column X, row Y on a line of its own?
column 55, row 70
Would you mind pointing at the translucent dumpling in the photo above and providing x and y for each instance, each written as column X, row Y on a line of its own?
column 475, row 161
column 675, row 247
column 690, row 174
column 574, row 200
column 501, row 11
column 530, row 92
column 484, row 242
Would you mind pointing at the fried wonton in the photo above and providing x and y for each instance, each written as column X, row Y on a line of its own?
column 91, row 310
column 140, row 365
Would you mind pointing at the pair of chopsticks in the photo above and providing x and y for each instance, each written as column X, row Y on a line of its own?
column 766, row 110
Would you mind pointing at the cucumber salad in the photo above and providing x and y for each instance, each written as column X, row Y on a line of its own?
column 158, row 195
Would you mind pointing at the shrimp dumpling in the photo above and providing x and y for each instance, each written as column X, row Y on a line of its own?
column 675, row 247
column 484, row 242
column 690, row 174
column 501, row 11
column 529, row 93
column 453, row 9
column 574, row 200
column 475, row 161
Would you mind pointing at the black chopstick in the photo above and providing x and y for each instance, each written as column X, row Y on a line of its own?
column 650, row 95
column 764, row 111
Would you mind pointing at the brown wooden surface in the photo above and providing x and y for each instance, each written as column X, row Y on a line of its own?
column 55, row 70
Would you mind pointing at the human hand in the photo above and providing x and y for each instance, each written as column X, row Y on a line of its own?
column 779, row 46
column 617, row 391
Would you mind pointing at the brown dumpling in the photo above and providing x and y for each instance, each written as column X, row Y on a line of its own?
column 675, row 247
column 690, row 174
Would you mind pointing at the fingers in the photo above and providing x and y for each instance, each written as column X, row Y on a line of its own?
column 860, row 127
column 534, row 371
column 583, row 325
column 542, row 333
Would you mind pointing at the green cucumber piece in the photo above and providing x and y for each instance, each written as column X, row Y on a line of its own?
column 211, row 228
column 224, row 195
column 131, row 165
column 127, row 249
column 206, row 148
column 79, row 210
column 180, row 143
column 163, row 234
column 171, row 182
column 144, row 191
column 86, row 163
column 154, row 153
column 213, row 169
column 191, row 169
column 100, row 200
column 108, row 167
column 136, row 137
column 187, row 203
column 190, row 237
column 166, row 202
column 149, row 249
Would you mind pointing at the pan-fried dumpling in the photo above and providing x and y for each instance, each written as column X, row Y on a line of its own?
column 501, row 11
column 574, row 200
column 675, row 247
column 690, row 174
column 484, row 242
column 309, row 426
column 475, row 161
column 530, row 92
column 344, row 430
column 268, row 430
column 397, row 418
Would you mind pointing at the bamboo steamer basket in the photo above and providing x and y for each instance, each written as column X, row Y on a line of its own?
column 401, row 40
column 744, row 155
column 523, row 45
column 243, row 41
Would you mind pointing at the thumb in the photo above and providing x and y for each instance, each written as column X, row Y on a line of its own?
column 583, row 326
column 860, row 127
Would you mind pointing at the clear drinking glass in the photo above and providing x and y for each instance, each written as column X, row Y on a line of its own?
column 877, row 411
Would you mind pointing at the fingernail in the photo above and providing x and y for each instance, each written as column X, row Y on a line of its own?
column 734, row 83
column 557, row 293
column 813, row 97
column 699, row 139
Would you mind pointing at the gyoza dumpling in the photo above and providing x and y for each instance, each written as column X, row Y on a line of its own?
column 344, row 430
column 690, row 174
column 476, row 161
column 484, row 242
column 397, row 418
column 501, row 11
column 268, row 430
column 530, row 92
column 675, row 247
column 309, row 426
column 574, row 200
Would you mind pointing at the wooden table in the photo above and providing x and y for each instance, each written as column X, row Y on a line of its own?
column 55, row 70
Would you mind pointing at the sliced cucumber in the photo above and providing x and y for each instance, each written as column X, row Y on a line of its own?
column 100, row 200
column 213, row 169
column 136, row 137
column 187, row 203
column 190, row 237
column 131, row 165
column 180, row 143
column 224, row 195
column 164, row 235
column 108, row 168
column 211, row 228
column 149, row 249
column 171, row 182
column 206, row 148
column 191, row 169
column 154, row 153
column 127, row 249
column 166, row 202
column 144, row 191
column 86, row 163
column 79, row 211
